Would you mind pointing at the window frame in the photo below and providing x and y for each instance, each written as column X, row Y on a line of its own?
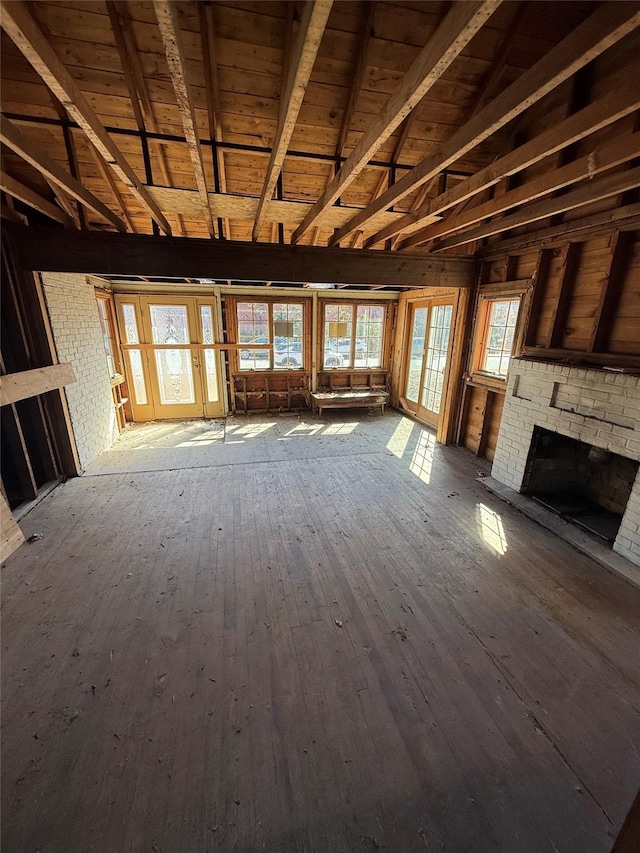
column 106, row 298
column 354, row 304
column 486, row 299
column 270, row 301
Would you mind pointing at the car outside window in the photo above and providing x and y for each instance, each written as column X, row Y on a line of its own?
column 273, row 334
column 353, row 335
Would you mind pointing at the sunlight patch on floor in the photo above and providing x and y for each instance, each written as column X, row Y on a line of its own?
column 422, row 459
column 490, row 529
column 251, row 430
column 340, row 429
column 304, row 429
column 397, row 444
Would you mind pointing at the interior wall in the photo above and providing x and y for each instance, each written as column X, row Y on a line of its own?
column 73, row 311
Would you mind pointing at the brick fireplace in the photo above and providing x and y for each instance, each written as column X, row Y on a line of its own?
column 571, row 431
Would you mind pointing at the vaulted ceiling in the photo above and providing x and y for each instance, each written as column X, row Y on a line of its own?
column 388, row 124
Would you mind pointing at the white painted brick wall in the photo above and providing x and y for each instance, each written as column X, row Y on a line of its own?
column 78, row 336
column 595, row 406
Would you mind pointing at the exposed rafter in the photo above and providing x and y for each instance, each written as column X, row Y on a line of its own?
column 207, row 35
column 22, row 28
column 606, row 156
column 109, row 179
column 601, row 113
column 586, row 193
column 25, row 194
column 13, row 138
column 606, row 26
column 136, row 86
column 167, row 15
column 454, row 33
column 358, row 80
column 303, row 56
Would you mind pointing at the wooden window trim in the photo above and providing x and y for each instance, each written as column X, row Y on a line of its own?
column 486, row 299
column 106, row 297
column 355, row 304
column 232, row 302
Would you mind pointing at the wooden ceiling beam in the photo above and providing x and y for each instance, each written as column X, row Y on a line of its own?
column 357, row 80
column 602, row 29
column 586, row 193
column 22, row 28
column 607, row 156
column 109, row 179
column 137, row 88
column 454, row 33
column 64, row 201
column 625, row 218
column 167, row 15
column 53, row 250
column 303, row 56
column 615, row 105
column 212, row 94
column 71, row 152
column 13, row 138
column 25, row 194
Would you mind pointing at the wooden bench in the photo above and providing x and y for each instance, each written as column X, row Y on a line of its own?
column 348, row 399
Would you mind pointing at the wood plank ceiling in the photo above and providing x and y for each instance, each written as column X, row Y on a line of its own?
column 388, row 124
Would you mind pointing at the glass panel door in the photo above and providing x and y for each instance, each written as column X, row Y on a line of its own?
column 172, row 371
column 427, row 355
column 416, row 352
column 435, row 361
column 210, row 362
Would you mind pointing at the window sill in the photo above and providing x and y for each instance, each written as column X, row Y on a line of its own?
column 482, row 380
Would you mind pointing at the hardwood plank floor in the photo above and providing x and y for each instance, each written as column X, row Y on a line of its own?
column 310, row 635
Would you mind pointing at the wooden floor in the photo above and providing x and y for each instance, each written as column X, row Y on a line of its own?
column 326, row 636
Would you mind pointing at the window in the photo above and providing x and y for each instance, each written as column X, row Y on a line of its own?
column 498, row 318
column 273, row 332
column 353, row 335
column 108, row 334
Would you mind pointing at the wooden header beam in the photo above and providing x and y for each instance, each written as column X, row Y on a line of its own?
column 53, row 250
column 452, row 36
column 604, row 28
column 24, row 31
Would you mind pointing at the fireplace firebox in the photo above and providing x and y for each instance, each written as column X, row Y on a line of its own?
column 584, row 484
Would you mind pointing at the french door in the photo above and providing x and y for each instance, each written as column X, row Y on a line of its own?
column 172, row 368
column 427, row 358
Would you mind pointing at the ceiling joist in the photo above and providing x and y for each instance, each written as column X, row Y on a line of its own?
column 25, row 194
column 601, row 113
column 454, row 33
column 21, row 27
column 602, row 29
column 587, row 193
column 167, row 16
column 301, row 62
column 212, row 92
column 13, row 138
column 600, row 159
column 136, row 86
